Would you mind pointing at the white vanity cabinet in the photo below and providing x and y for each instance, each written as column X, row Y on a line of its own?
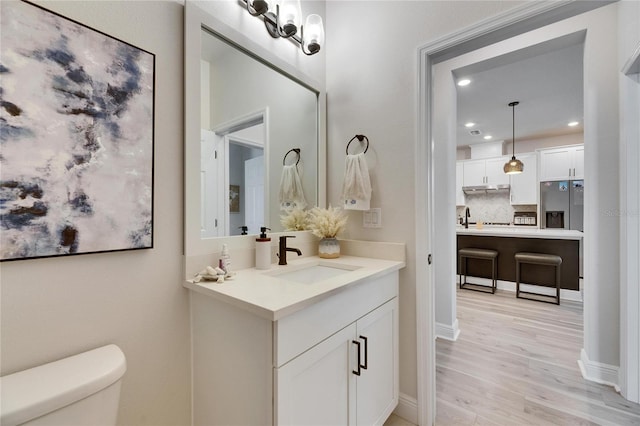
column 347, row 379
column 562, row 163
column 299, row 368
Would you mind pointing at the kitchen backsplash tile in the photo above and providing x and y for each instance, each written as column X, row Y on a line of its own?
column 492, row 207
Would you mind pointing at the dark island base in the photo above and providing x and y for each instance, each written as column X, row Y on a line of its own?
column 507, row 247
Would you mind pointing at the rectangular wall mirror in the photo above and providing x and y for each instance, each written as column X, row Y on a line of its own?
column 248, row 114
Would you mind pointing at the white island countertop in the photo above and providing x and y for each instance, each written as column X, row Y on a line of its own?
column 263, row 293
column 520, row 232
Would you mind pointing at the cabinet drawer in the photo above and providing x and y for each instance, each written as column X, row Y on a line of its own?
column 300, row 331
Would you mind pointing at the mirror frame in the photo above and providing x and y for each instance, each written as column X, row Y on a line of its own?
column 195, row 21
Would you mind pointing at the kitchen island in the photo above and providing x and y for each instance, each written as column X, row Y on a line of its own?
column 509, row 240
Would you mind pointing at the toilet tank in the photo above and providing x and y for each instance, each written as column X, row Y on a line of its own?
column 83, row 389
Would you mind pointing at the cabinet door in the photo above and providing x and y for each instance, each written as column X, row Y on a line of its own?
column 318, row 387
column 377, row 394
column 524, row 186
column 459, row 177
column 473, row 173
column 578, row 163
column 555, row 164
column 495, row 171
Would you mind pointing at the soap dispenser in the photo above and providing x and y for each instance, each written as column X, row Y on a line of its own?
column 225, row 259
column 263, row 249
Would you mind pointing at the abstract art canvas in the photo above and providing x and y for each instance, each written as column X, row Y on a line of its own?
column 76, row 137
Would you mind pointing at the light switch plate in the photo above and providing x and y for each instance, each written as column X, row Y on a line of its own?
column 372, row 218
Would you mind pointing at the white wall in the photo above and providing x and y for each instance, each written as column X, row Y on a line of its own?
column 601, row 241
column 55, row 307
column 372, row 90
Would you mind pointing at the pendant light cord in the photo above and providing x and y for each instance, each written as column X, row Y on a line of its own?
column 513, row 136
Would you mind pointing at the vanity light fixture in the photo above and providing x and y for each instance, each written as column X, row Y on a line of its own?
column 283, row 18
column 513, row 166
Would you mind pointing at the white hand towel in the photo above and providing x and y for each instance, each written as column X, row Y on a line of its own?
column 291, row 194
column 356, row 190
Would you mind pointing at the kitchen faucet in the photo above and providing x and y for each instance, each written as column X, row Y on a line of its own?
column 283, row 249
column 466, row 217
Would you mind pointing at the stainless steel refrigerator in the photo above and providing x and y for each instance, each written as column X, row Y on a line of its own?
column 562, row 204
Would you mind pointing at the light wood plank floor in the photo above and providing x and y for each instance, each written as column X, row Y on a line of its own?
column 515, row 363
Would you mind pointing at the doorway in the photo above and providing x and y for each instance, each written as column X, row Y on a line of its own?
column 432, row 198
column 233, row 177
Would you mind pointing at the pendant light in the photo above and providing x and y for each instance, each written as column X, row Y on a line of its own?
column 513, row 166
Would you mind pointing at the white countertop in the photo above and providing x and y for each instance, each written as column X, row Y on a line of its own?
column 264, row 294
column 520, row 232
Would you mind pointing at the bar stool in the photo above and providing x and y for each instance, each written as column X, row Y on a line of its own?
column 482, row 254
column 539, row 259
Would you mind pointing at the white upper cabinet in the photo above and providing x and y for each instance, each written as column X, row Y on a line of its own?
column 578, row 162
column 495, row 171
column 485, row 172
column 459, row 177
column 562, row 163
column 524, row 186
column 473, row 173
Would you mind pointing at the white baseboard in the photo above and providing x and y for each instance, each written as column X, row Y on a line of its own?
column 407, row 408
column 598, row 372
column 448, row 332
column 572, row 295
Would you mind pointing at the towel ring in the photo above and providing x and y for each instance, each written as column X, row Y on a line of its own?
column 297, row 151
column 360, row 138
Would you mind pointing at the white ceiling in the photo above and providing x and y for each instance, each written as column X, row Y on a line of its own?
column 547, row 81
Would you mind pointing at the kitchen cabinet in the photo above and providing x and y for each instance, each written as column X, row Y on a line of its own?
column 298, row 369
column 524, row 186
column 459, row 178
column 564, row 163
column 485, row 172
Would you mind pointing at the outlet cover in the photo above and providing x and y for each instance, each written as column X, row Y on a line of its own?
column 372, row 218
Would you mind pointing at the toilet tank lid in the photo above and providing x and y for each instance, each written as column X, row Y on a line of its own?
column 31, row 393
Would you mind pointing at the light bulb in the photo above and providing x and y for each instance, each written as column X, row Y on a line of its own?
column 290, row 16
column 313, row 33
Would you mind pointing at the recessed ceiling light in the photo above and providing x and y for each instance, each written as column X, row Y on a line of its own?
column 464, row 82
column 469, row 124
column 488, row 137
column 573, row 124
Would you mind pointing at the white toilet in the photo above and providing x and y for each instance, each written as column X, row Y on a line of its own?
column 81, row 390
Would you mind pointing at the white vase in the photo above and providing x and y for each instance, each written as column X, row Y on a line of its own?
column 329, row 248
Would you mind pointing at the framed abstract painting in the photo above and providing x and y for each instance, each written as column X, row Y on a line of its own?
column 76, row 137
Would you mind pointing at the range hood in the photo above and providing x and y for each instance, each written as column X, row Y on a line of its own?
column 484, row 189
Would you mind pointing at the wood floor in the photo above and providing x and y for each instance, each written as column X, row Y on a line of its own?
column 515, row 363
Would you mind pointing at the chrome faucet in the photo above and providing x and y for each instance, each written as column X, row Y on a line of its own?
column 466, row 217
column 283, row 249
